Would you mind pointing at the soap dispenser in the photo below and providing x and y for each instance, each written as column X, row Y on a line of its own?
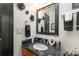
column 58, row 43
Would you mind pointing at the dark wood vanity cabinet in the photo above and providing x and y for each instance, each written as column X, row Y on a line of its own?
column 26, row 52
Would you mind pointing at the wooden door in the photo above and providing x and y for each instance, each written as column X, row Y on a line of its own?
column 6, row 11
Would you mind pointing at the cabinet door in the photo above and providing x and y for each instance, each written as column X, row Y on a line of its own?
column 26, row 52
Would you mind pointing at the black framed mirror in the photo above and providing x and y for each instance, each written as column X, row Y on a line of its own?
column 47, row 21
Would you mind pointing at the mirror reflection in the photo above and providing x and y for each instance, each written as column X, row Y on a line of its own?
column 46, row 19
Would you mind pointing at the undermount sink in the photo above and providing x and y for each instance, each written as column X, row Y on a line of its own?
column 39, row 46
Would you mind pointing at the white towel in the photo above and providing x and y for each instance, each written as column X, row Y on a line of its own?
column 68, row 16
column 41, row 14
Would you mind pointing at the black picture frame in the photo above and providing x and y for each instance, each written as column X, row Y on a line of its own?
column 56, row 33
column 52, row 25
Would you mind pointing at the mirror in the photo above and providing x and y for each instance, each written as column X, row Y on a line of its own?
column 47, row 19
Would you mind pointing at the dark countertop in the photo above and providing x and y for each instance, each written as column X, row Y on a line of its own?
column 27, row 44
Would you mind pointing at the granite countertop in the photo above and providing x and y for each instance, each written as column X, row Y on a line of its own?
column 51, row 51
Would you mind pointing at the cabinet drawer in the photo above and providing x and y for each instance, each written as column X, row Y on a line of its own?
column 26, row 52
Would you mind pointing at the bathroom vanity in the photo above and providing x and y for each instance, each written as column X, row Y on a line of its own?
column 29, row 50
column 47, row 23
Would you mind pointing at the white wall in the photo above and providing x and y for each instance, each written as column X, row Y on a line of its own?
column 68, row 39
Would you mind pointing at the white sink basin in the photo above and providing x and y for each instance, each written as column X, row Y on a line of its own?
column 39, row 46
